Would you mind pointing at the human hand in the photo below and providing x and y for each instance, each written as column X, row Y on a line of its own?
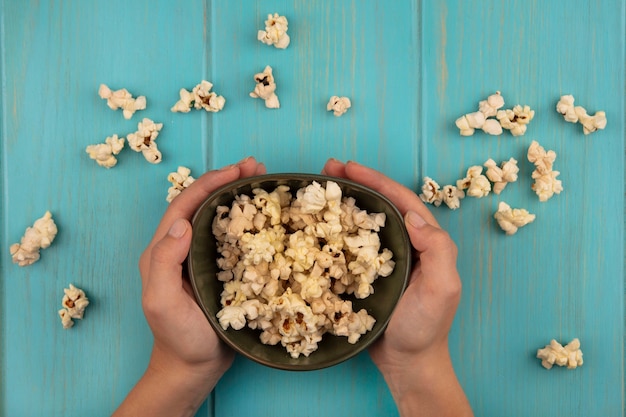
column 413, row 353
column 187, row 357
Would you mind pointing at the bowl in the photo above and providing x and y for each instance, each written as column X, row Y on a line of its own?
column 332, row 350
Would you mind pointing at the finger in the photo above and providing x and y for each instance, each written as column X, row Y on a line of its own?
column 334, row 168
column 247, row 167
column 403, row 198
column 260, row 169
column 166, row 258
column 437, row 255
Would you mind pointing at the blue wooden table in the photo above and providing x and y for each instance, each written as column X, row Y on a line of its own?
column 410, row 68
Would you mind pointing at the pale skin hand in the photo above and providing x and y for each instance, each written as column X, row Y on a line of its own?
column 187, row 357
column 413, row 353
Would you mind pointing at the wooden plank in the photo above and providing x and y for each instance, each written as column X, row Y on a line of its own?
column 55, row 55
column 562, row 276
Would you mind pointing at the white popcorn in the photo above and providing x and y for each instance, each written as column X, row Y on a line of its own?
column 265, row 88
column 476, row 184
column 452, row 196
column 569, row 355
column 103, row 153
column 515, row 120
column 500, row 176
column 284, row 260
column 39, row 236
column 275, row 32
column 143, row 140
column 122, row 99
column 578, row 114
column 201, row 97
column 492, row 127
column 510, row 220
column 338, row 105
column 546, row 184
column 431, row 192
column 180, row 180
column 469, row 122
column 490, row 106
column 74, row 303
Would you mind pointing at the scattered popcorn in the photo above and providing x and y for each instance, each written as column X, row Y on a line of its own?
column 569, row 355
column 514, row 120
column 275, row 32
column 74, row 303
column 103, row 153
column 339, row 105
column 180, row 180
column 490, row 106
column 476, row 184
column 500, row 176
column 201, row 97
column 143, row 140
column 492, row 127
column 546, row 184
column 265, row 88
column 286, row 259
column 40, row 236
column 578, row 114
column 431, row 192
column 452, row 196
column 122, row 99
column 510, row 220
column 469, row 122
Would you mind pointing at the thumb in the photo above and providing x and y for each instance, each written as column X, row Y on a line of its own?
column 167, row 256
column 437, row 251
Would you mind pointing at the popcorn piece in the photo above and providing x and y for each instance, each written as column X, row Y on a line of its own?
column 515, row 120
column 185, row 103
column 180, row 180
column 285, row 259
column 469, row 122
column 546, row 184
column 103, row 153
column 74, row 303
column 339, row 105
column 490, row 106
column 569, row 355
column 39, row 236
column 452, row 196
column 476, row 184
column 265, row 88
column 201, row 97
column 122, row 99
column 574, row 114
column 492, row 127
column 501, row 176
column 144, row 140
column 510, row 220
column 275, row 32
column 431, row 192
column 206, row 99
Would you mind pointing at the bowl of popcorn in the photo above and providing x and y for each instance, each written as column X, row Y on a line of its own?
column 298, row 271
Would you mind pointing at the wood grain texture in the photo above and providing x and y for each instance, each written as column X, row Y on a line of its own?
column 410, row 68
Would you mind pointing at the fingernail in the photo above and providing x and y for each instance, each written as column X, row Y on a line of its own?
column 415, row 219
column 227, row 167
column 244, row 160
column 177, row 230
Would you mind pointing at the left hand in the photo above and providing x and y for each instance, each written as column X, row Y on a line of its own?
column 184, row 341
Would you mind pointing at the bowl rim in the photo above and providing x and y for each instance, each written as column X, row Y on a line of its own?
column 305, row 177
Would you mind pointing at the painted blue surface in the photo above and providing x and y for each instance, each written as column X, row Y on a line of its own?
column 410, row 68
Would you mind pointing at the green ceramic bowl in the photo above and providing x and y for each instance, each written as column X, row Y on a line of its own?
column 332, row 349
